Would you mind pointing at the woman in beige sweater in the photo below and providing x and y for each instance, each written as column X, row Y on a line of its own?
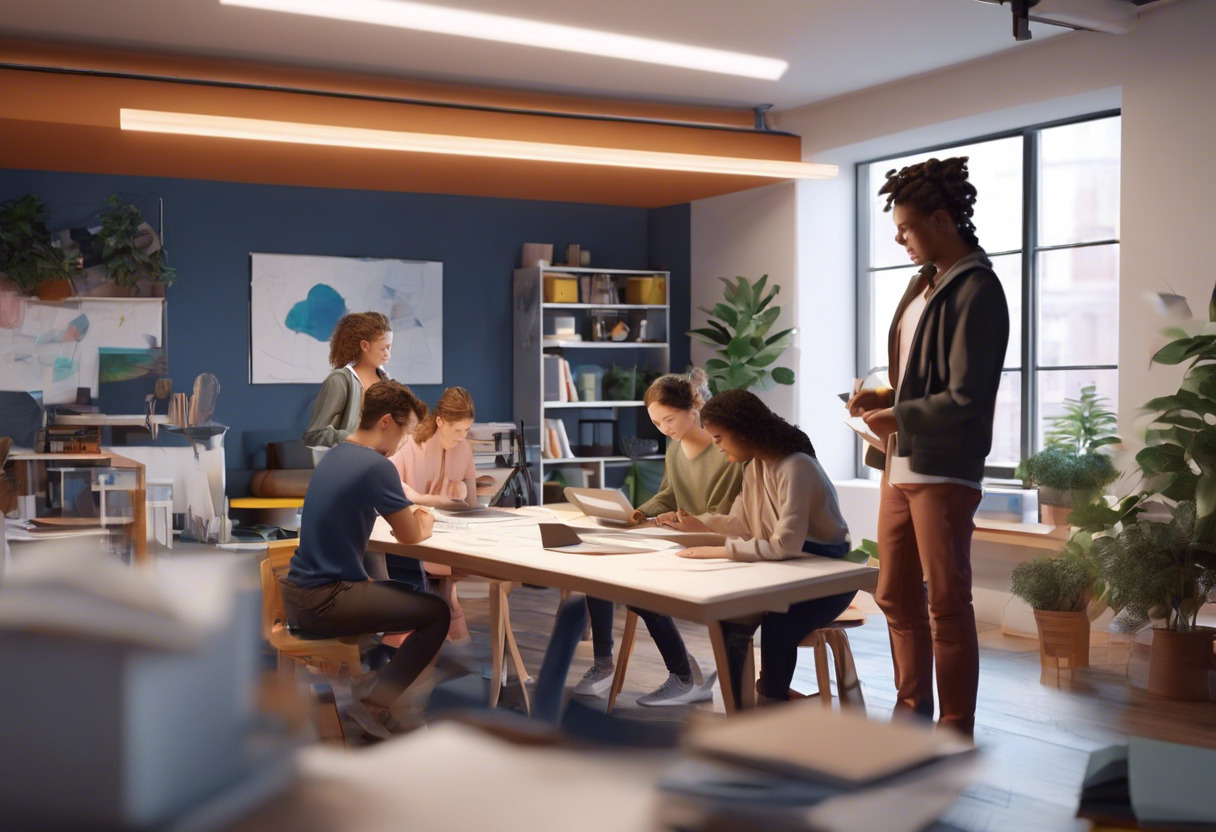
column 787, row 509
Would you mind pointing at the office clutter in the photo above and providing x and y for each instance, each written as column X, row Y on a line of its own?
column 129, row 694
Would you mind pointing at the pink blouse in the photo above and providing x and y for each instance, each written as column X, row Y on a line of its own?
column 427, row 468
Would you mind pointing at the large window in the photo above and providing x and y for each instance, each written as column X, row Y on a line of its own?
column 1048, row 215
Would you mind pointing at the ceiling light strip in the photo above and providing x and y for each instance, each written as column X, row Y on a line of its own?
column 256, row 129
column 442, row 20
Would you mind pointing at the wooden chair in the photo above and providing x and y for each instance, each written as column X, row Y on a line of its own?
column 325, row 655
column 834, row 636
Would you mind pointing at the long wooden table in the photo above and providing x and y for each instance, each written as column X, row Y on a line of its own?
column 707, row 592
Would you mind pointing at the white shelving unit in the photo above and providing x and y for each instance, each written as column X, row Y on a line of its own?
column 534, row 318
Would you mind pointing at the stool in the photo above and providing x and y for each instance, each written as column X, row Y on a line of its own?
column 834, row 636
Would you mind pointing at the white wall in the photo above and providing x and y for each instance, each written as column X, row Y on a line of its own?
column 751, row 233
column 1161, row 74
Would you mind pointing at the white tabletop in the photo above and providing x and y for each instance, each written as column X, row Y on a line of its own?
column 694, row 590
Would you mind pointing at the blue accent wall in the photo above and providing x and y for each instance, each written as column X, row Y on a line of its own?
column 211, row 227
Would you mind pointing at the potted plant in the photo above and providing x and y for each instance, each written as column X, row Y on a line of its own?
column 1157, row 574
column 127, row 252
column 1059, row 590
column 29, row 256
column 738, row 330
column 621, row 384
column 1073, row 469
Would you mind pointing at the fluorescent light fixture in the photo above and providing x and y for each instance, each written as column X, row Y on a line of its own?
column 257, row 129
column 442, row 20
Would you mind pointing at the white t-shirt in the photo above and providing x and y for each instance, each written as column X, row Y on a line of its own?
column 899, row 469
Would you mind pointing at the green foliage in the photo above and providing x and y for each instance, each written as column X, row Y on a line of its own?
column 1059, row 467
column 863, row 553
column 1072, row 459
column 126, row 262
column 738, row 330
column 28, row 253
column 1058, row 584
column 622, row 384
column 1155, row 573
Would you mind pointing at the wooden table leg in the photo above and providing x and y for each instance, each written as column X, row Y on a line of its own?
column 496, row 641
column 718, row 639
column 622, row 658
column 516, row 658
column 139, row 508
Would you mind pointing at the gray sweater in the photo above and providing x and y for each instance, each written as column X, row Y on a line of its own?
column 335, row 413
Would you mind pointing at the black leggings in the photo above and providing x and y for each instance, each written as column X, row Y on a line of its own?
column 662, row 629
column 780, row 635
column 351, row 609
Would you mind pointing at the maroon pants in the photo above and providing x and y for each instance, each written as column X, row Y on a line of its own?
column 924, row 550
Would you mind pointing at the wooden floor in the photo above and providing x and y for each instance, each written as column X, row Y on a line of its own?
column 1035, row 733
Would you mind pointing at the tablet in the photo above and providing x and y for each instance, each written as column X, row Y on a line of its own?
column 607, row 504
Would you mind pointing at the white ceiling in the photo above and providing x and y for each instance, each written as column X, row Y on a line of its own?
column 833, row 46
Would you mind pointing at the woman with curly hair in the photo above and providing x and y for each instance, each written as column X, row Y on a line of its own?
column 787, row 509
column 359, row 347
column 946, row 351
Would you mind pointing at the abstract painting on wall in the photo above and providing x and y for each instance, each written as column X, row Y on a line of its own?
column 295, row 301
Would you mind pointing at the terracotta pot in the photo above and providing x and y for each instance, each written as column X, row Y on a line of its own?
column 1051, row 514
column 54, row 290
column 1181, row 664
column 1063, row 636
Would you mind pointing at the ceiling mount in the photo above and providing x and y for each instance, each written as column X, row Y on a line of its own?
column 1112, row 16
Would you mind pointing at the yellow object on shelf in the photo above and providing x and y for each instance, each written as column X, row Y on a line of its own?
column 561, row 289
column 646, row 290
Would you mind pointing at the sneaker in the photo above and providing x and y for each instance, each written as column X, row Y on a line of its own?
column 376, row 723
column 675, row 691
column 595, row 682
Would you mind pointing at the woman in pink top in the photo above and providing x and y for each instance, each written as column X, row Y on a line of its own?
column 436, row 468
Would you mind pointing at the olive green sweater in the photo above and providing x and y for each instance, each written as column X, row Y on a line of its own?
column 706, row 483
column 335, row 413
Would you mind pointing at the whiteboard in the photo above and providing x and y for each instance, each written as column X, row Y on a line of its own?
column 296, row 299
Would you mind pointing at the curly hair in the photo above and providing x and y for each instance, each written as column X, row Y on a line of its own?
column 455, row 404
column 349, row 331
column 932, row 185
column 752, row 423
column 678, row 391
column 392, row 397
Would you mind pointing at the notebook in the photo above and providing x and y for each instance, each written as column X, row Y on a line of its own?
column 558, row 537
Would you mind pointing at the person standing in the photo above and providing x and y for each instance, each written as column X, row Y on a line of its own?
column 946, row 351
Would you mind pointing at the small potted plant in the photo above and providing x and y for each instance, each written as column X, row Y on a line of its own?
column 1074, row 468
column 1059, row 590
column 621, row 384
column 1156, row 575
column 29, row 256
column 123, row 256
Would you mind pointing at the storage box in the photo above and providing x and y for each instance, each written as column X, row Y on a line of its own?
column 646, row 290
column 561, row 289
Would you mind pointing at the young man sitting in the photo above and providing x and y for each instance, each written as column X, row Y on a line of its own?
column 327, row 591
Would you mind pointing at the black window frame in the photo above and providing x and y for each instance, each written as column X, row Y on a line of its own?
column 1030, row 278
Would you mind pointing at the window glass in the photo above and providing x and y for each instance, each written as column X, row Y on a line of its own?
column 1079, row 182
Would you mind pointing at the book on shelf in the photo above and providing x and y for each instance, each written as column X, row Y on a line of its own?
column 557, row 444
column 568, row 379
column 552, row 380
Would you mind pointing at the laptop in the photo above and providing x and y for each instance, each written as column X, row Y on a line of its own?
column 607, row 505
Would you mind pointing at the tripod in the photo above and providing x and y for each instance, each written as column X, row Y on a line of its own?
column 518, row 489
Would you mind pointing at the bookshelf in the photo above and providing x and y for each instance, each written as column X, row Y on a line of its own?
column 536, row 393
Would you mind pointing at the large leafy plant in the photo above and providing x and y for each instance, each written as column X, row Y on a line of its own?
column 28, row 253
column 1073, row 459
column 738, row 330
column 1057, row 584
column 125, row 240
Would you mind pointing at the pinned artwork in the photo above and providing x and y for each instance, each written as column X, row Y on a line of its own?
column 54, row 347
column 297, row 299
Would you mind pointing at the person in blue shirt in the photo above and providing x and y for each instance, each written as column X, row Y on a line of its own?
column 327, row 590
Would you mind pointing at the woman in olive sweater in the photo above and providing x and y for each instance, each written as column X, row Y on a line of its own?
column 358, row 350
column 698, row 479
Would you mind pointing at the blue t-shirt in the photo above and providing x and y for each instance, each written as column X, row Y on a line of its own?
column 350, row 486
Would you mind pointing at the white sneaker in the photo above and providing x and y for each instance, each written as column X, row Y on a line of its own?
column 595, row 682
column 675, row 691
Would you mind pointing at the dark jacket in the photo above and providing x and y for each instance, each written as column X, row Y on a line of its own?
column 946, row 401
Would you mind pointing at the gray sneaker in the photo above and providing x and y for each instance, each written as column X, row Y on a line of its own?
column 675, row 691
column 595, row 682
